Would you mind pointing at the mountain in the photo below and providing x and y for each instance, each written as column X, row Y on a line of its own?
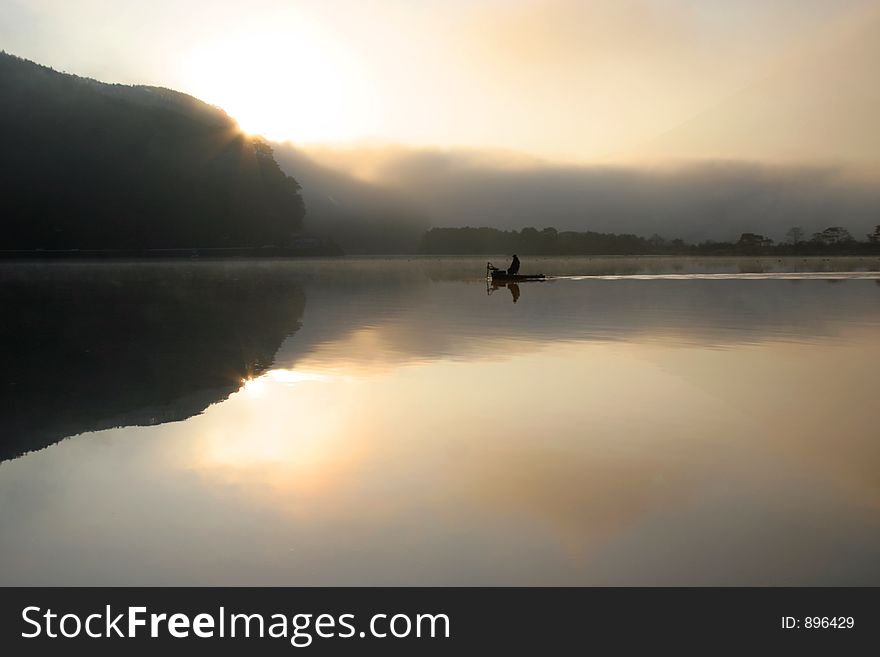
column 88, row 165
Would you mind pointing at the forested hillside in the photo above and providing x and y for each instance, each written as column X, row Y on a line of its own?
column 88, row 165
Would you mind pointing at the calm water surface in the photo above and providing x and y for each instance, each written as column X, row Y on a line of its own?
column 395, row 421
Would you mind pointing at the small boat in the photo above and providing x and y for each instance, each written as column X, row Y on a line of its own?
column 500, row 275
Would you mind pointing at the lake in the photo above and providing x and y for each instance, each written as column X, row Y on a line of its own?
column 395, row 421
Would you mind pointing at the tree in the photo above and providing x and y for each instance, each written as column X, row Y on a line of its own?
column 875, row 236
column 795, row 235
column 833, row 235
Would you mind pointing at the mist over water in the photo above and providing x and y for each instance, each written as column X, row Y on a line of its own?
column 400, row 421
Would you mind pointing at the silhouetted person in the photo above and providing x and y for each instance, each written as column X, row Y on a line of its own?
column 514, row 266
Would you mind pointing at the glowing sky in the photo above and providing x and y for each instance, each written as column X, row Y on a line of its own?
column 558, row 78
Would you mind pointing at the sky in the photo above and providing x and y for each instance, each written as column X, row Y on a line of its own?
column 563, row 80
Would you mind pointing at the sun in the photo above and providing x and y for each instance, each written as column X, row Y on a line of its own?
column 284, row 79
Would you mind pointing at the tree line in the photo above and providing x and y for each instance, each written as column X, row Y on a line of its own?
column 549, row 241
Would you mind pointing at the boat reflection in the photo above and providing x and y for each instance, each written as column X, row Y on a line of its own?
column 492, row 286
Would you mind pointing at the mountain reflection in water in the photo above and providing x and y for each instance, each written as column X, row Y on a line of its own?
column 107, row 345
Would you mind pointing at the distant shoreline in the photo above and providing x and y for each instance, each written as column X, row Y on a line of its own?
column 467, row 240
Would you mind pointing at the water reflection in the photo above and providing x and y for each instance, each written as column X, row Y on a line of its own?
column 412, row 430
column 492, row 286
column 100, row 346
